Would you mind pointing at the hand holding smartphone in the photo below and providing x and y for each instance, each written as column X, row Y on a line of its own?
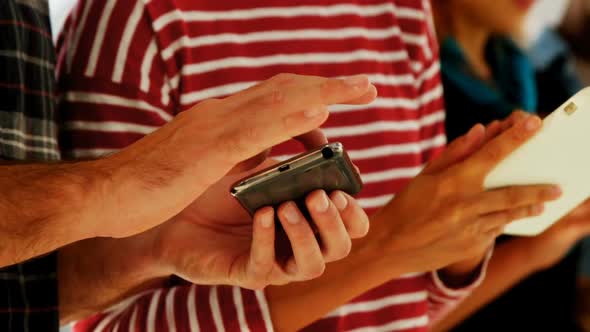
column 327, row 167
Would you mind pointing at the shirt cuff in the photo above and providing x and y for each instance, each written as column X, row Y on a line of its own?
column 462, row 292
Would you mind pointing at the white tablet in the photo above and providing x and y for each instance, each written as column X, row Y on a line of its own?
column 558, row 154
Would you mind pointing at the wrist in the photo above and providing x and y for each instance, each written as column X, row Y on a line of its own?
column 77, row 206
column 465, row 272
column 527, row 251
column 376, row 248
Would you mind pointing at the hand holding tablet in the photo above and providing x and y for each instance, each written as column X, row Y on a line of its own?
column 559, row 154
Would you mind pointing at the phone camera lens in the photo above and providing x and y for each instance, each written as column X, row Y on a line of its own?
column 327, row 153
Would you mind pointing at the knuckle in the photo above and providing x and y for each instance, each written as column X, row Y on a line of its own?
column 346, row 248
column 261, row 266
column 329, row 87
column 492, row 154
column 272, row 101
column 517, row 136
column 443, row 186
column 512, row 196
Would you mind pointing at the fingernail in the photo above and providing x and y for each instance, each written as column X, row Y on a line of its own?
column 538, row 209
column 356, row 81
column 313, row 112
column 471, row 134
column 291, row 269
column 291, row 213
column 340, row 201
column 266, row 221
column 555, row 191
column 533, row 123
column 323, row 203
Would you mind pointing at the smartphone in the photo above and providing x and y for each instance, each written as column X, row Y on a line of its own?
column 557, row 154
column 327, row 167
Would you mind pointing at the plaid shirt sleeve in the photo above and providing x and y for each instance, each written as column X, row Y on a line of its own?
column 28, row 291
column 28, row 296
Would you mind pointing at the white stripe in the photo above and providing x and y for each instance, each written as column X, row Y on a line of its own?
column 146, row 65
column 391, row 174
column 110, row 126
column 302, row 58
column 392, row 80
column 117, row 310
column 80, row 28
column 401, row 324
column 122, row 52
column 429, row 73
column 99, row 37
column 105, row 322
column 170, row 313
column 91, row 153
column 185, row 42
column 370, row 306
column 37, row 138
column 396, row 149
column 27, row 58
column 284, row 59
column 192, row 310
column 389, row 149
column 231, row 88
column 384, row 126
column 25, row 147
column 152, row 309
column 133, row 320
column 239, row 303
column 442, row 300
column 216, row 310
column 116, row 328
column 412, row 275
column 416, row 66
column 374, row 202
column 165, row 91
column 107, row 99
column 263, row 305
column 214, row 92
column 291, row 11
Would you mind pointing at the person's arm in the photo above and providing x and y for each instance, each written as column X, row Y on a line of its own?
column 409, row 235
column 44, row 207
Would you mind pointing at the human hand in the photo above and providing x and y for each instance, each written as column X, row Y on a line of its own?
column 215, row 241
column 445, row 216
column 161, row 174
column 548, row 248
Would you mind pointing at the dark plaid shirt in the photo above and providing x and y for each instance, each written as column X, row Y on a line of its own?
column 28, row 291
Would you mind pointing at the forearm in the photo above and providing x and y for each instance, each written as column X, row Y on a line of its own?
column 510, row 264
column 98, row 273
column 45, row 206
column 369, row 265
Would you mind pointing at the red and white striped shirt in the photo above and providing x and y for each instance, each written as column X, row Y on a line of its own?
column 127, row 67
